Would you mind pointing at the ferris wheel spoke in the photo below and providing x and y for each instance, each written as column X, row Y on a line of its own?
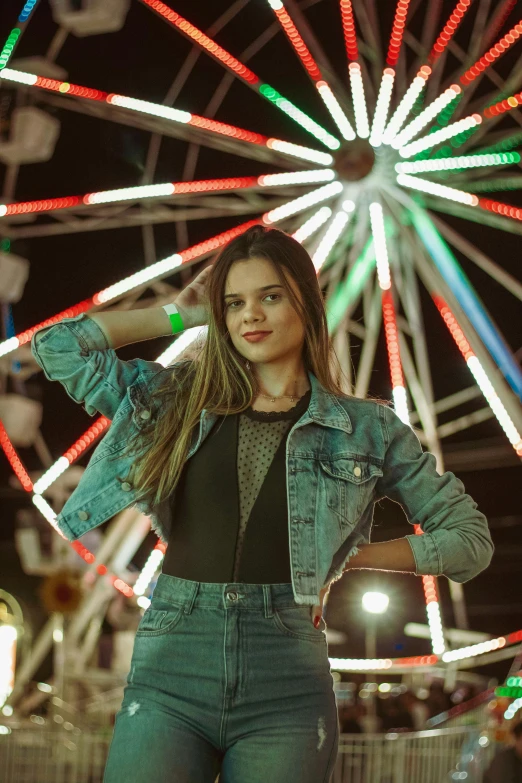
column 478, row 257
column 313, row 70
column 152, row 116
column 473, row 214
column 242, row 72
column 495, row 184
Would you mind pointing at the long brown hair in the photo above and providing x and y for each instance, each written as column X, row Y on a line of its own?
column 217, row 379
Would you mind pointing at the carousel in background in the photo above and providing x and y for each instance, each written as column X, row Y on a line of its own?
column 410, row 137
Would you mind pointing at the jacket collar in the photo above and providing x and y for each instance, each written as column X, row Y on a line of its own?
column 324, row 408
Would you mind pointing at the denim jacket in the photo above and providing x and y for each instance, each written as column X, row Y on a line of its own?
column 342, row 456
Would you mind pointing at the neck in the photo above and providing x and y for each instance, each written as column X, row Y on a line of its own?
column 275, row 380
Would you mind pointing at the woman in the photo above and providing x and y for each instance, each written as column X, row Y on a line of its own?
column 261, row 476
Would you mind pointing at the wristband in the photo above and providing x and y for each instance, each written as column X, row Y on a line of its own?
column 174, row 318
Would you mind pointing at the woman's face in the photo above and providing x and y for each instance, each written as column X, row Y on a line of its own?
column 252, row 309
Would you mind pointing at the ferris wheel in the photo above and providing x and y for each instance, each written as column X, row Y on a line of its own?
column 409, row 139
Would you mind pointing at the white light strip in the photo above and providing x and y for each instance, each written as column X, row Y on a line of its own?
column 141, row 191
column 382, row 106
column 10, row 344
column 405, row 106
column 441, row 135
column 313, row 223
column 474, row 649
column 45, row 509
column 360, row 664
column 19, row 76
column 50, row 475
column 302, row 203
column 513, row 709
column 435, row 624
column 140, row 278
column 425, row 116
column 146, row 107
column 331, row 235
column 495, row 403
column 424, row 185
column 297, row 178
column 458, row 162
column 154, row 561
column 297, row 151
column 359, row 101
column 400, row 405
column 379, row 242
column 338, row 115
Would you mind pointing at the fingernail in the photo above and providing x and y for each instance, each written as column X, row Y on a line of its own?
column 317, row 620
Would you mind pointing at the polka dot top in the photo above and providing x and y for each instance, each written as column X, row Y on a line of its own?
column 229, row 510
column 259, row 436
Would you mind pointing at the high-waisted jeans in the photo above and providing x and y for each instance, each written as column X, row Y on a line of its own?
column 226, row 678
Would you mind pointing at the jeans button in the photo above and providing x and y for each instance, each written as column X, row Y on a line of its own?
column 145, row 414
column 126, row 487
column 232, row 596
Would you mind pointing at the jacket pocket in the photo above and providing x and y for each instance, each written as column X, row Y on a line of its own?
column 348, row 483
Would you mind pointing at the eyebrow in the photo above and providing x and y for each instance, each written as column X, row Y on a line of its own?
column 263, row 288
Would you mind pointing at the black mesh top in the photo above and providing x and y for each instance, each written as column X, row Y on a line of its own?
column 229, row 509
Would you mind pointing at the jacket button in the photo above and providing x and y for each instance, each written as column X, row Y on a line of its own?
column 83, row 515
column 145, row 414
column 357, row 471
column 126, row 487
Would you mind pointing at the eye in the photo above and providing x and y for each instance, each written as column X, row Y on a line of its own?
column 239, row 300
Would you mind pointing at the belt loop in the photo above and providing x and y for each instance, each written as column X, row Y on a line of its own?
column 267, row 595
column 189, row 602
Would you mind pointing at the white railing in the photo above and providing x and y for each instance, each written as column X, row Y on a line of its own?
column 412, row 757
column 33, row 756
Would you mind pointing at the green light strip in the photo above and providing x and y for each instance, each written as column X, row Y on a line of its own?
column 502, row 183
column 299, row 116
column 504, row 145
column 7, row 51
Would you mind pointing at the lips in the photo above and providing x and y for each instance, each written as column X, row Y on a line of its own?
column 256, row 337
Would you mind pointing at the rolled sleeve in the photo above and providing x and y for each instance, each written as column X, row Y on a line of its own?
column 75, row 352
column 456, row 541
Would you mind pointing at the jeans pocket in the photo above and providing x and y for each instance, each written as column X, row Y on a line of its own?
column 297, row 622
column 160, row 618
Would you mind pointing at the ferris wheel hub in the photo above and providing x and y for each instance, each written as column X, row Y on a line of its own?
column 354, row 160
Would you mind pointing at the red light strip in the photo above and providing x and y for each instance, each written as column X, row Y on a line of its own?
column 297, row 42
column 350, row 37
column 449, row 30
column 81, row 307
column 199, row 37
column 196, row 186
column 429, row 583
column 14, row 460
column 392, row 338
column 502, row 106
column 27, row 485
column 501, row 209
column 187, row 255
column 494, row 53
column 399, row 23
column 227, row 130
column 416, row 660
column 213, row 126
column 455, row 330
column 505, row 12
column 76, row 450
column 218, row 241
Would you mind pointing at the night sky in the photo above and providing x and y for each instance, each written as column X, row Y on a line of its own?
column 92, row 154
